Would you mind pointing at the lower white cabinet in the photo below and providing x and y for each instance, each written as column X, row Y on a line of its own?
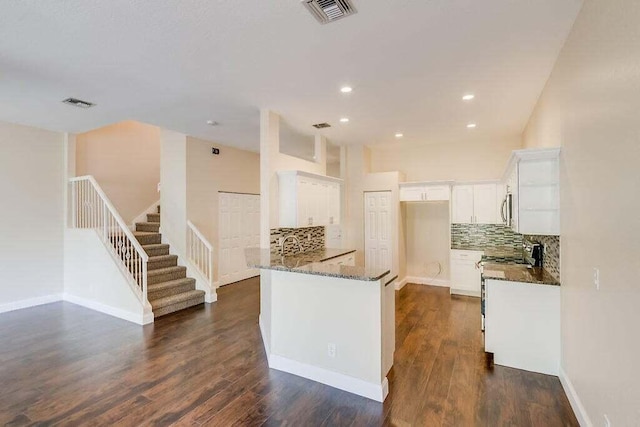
column 465, row 272
column 348, row 259
column 522, row 325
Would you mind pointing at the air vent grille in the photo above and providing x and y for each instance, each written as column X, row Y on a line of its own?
column 329, row 10
column 78, row 103
column 321, row 125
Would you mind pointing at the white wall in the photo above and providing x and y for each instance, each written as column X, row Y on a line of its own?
column 233, row 170
column 590, row 107
column 173, row 196
column 32, row 218
column 125, row 160
column 428, row 229
column 480, row 160
column 93, row 279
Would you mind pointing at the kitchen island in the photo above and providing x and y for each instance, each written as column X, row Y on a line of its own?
column 325, row 321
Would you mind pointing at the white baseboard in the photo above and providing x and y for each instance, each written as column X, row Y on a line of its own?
column 428, row 281
column 465, row 292
column 377, row 392
column 574, row 400
column 138, row 318
column 211, row 297
column 267, row 347
column 399, row 284
column 30, row 302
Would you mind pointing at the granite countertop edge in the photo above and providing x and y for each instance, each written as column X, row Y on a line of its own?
column 312, row 263
column 521, row 274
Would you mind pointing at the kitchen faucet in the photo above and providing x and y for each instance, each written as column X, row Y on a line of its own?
column 295, row 239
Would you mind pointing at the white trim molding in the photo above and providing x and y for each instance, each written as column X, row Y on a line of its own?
column 30, row 302
column 431, row 281
column 142, row 216
column 377, row 392
column 399, row 284
column 139, row 318
column 574, row 399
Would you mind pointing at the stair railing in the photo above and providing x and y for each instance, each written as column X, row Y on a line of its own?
column 200, row 252
column 92, row 209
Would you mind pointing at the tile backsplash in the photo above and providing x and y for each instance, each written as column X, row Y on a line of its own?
column 311, row 238
column 484, row 236
column 551, row 259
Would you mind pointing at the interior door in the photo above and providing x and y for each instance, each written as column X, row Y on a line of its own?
column 238, row 229
column 378, row 221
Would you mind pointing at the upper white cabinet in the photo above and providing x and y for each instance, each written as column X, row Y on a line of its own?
column 424, row 192
column 475, row 204
column 533, row 179
column 308, row 200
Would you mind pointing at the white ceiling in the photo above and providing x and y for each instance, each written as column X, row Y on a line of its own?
column 177, row 63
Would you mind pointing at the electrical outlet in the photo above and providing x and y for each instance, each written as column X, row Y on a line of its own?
column 331, row 350
column 596, row 278
column 607, row 423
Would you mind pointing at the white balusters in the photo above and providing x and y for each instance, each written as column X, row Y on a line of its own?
column 200, row 252
column 92, row 209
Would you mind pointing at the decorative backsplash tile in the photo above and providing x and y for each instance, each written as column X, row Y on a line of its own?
column 311, row 238
column 484, row 236
column 551, row 259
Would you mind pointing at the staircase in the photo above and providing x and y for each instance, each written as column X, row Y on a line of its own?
column 168, row 287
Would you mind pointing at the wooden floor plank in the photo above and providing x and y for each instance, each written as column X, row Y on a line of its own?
column 66, row 365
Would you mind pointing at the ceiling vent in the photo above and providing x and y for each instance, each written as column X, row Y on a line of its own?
column 329, row 10
column 321, row 125
column 78, row 103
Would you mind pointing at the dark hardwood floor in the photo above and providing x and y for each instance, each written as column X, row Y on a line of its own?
column 62, row 364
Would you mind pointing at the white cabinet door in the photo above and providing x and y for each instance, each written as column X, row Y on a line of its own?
column 412, row 194
column 484, row 204
column 303, row 196
column 465, row 272
column 334, row 204
column 462, row 204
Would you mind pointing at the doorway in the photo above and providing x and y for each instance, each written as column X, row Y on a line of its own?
column 378, row 226
column 238, row 229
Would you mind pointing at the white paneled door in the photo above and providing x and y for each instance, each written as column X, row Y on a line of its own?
column 238, row 229
column 378, row 234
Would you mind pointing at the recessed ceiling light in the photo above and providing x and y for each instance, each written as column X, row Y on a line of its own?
column 344, row 120
column 471, row 126
column 399, row 135
column 468, row 97
column 346, row 89
column 212, row 123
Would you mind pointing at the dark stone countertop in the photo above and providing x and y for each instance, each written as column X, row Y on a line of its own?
column 498, row 254
column 311, row 262
column 518, row 273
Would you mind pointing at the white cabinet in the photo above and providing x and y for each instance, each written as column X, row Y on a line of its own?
column 522, row 325
column 465, row 272
column 308, row 200
column 475, row 204
column 348, row 259
column 424, row 192
column 533, row 179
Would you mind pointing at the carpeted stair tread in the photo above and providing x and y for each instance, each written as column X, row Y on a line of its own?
column 170, row 288
column 165, row 270
column 153, row 227
column 162, row 261
column 148, row 237
column 170, row 284
column 174, row 299
column 156, row 249
column 153, row 217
